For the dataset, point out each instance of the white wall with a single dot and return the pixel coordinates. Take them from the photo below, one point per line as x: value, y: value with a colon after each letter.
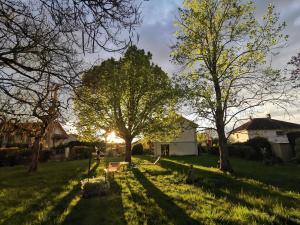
x: 185, y: 144
x: 188, y: 135
x: 240, y: 136
x: 177, y: 148
x: 271, y: 135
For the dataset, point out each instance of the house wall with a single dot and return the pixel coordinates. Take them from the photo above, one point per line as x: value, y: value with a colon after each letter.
x: 240, y: 136
x: 280, y: 143
x: 185, y: 144
x: 271, y: 135
x: 283, y: 151
x: 187, y: 135
x: 177, y: 148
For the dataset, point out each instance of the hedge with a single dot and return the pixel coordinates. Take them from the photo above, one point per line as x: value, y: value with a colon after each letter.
x: 12, y: 157
x: 137, y: 149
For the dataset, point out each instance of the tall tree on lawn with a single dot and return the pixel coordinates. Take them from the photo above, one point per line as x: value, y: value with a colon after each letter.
x: 224, y: 50
x: 131, y: 96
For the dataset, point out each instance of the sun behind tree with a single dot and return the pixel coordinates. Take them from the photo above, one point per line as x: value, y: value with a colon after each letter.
x: 131, y: 96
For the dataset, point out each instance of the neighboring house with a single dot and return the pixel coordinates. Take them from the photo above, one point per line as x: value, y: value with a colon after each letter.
x: 71, y: 138
x: 184, y: 144
x: 276, y: 131
x: 23, y: 134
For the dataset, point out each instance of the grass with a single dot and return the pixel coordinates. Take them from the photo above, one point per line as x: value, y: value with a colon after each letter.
x: 153, y: 194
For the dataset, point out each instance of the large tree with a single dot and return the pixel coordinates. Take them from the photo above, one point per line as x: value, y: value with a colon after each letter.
x: 224, y: 49
x: 41, y: 46
x: 130, y: 96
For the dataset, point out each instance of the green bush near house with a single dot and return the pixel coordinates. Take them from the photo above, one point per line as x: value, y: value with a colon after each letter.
x: 297, y: 150
x: 243, y: 151
x: 262, y: 148
x: 16, y: 156
x: 137, y: 149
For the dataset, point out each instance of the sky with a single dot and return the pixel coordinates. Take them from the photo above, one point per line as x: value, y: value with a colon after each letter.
x: 156, y: 34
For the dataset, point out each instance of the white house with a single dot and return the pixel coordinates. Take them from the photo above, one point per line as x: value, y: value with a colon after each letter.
x: 184, y: 144
x: 274, y: 130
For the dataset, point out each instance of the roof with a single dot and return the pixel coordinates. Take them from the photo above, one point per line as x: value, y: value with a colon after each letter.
x: 266, y: 124
x: 28, y: 126
x: 190, y: 122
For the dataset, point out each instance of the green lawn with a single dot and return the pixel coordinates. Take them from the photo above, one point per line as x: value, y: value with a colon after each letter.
x: 153, y: 194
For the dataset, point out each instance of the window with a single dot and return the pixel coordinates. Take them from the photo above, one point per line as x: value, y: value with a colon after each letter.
x: 165, y: 150
x: 279, y: 133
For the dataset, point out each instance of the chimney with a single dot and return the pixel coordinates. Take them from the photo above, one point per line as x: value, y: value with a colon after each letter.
x: 269, y: 116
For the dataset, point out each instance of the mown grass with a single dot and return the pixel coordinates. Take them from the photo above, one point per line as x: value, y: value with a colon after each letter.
x: 153, y: 194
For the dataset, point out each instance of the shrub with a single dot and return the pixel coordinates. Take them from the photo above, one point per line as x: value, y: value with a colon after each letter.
x: 15, y: 156
x: 297, y: 150
x: 94, y: 187
x: 261, y: 146
x: 19, y: 145
x: 137, y: 149
x: 241, y: 150
x: 214, y: 150
x: 45, y: 155
x: 80, y: 152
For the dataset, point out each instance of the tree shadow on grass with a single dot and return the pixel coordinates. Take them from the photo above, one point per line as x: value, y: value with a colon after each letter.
x: 50, y: 198
x: 98, y: 210
x: 246, y: 170
x: 174, y: 213
x: 216, y: 183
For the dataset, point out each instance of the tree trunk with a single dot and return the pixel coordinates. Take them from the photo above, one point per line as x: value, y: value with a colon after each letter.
x: 33, y: 166
x: 128, y: 150
x: 224, y: 164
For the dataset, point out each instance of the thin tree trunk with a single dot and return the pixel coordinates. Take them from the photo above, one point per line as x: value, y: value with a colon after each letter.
x: 128, y: 150
x: 225, y: 165
x: 33, y: 166
x: 223, y: 150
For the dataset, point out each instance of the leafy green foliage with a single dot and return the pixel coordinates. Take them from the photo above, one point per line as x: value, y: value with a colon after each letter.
x: 131, y: 96
x: 137, y: 149
x: 297, y: 149
x: 243, y: 150
x: 12, y: 157
x: 201, y: 137
x: 224, y: 49
x: 262, y: 147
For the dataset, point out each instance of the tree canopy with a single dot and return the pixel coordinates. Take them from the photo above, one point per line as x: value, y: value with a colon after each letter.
x: 131, y: 96
x: 41, y: 48
x: 225, y: 50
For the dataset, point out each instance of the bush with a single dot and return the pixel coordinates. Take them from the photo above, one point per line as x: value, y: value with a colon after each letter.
x: 80, y: 152
x: 213, y: 150
x: 262, y: 148
x: 137, y: 149
x: 94, y: 187
x: 242, y: 150
x: 297, y: 150
x: 15, y: 156
x: 21, y: 146
x: 45, y: 155
x: 99, y: 144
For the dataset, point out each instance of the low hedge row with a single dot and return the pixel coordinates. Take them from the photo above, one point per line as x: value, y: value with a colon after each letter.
x: 12, y: 157
x: 255, y: 149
